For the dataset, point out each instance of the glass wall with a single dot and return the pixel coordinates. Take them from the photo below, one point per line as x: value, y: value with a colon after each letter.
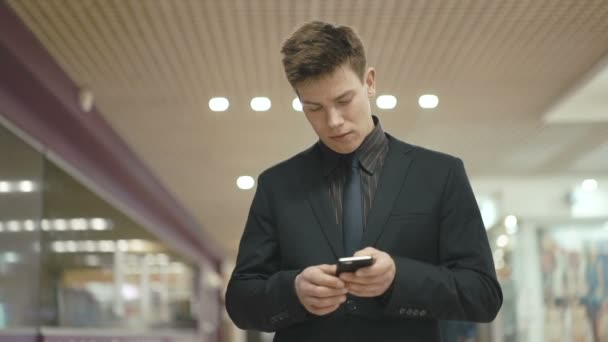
x: 21, y: 170
x: 101, y: 269
x: 70, y: 260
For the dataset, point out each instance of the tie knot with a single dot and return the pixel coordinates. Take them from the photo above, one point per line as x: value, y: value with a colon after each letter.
x: 352, y: 160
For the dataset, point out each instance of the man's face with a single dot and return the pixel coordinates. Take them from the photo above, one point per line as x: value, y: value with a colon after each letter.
x: 338, y: 109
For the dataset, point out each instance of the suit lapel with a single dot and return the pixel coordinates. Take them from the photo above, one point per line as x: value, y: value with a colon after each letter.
x: 322, y: 206
x: 394, y: 173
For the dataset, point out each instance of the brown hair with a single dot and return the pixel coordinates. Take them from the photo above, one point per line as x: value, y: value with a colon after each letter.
x: 317, y: 48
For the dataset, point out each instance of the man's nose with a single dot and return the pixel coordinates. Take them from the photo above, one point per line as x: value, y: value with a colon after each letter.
x: 334, y: 118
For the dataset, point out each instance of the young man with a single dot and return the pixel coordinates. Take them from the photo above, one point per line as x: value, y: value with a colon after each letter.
x: 358, y: 191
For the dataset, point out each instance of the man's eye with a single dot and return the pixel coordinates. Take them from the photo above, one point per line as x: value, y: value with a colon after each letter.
x: 314, y: 109
x: 345, y: 101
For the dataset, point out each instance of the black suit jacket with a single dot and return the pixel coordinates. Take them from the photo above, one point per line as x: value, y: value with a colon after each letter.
x: 424, y: 215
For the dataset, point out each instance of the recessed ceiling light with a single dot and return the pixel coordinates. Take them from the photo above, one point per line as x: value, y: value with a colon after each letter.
x: 219, y: 104
x: 511, y: 224
x: 510, y: 221
x: 5, y: 186
x: 502, y: 241
x: 386, y: 101
x: 245, y: 182
x: 428, y: 101
x: 26, y: 186
x: 29, y: 225
x: 260, y: 104
x: 589, y: 185
x: 11, y: 257
x: 60, y: 224
x: 59, y: 246
x: 109, y: 246
x: 98, y: 224
x: 14, y: 226
x: 78, y: 224
x: 296, y: 104
x: 71, y: 246
x: 136, y: 245
x: 45, y: 225
x: 123, y: 245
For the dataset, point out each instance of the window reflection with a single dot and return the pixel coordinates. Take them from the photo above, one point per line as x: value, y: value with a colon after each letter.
x: 70, y: 259
x: 104, y: 270
x: 20, y: 210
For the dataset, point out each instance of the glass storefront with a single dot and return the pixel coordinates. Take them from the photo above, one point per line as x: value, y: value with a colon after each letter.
x: 69, y: 259
x: 21, y: 174
x: 575, y: 282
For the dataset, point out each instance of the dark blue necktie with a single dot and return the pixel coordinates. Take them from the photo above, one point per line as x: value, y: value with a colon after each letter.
x: 352, y: 207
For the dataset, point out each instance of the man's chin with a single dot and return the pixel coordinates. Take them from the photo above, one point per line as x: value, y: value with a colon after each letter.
x: 343, y: 149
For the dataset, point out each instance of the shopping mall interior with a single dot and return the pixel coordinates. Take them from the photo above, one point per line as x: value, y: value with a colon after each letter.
x: 133, y: 133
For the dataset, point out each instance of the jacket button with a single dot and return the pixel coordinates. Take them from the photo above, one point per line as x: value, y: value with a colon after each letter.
x: 402, y: 311
x: 351, y: 305
x: 422, y: 312
x: 409, y: 311
x: 415, y: 313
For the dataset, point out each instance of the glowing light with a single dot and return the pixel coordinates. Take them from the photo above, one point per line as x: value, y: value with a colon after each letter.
x: 589, y: 185
x: 260, y: 104
x: 296, y: 105
x: 502, y: 241
x: 245, y: 182
x: 26, y: 186
x: 386, y: 102
x: 428, y: 101
x: 98, y: 224
x: 219, y: 104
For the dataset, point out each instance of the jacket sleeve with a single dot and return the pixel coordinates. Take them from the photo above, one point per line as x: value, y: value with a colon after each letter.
x: 261, y: 296
x: 463, y: 285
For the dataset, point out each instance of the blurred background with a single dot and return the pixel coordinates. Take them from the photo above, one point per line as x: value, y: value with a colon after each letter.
x: 132, y: 133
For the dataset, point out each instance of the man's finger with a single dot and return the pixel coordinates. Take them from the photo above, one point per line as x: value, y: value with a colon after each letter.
x: 323, y: 291
x: 366, y: 251
x: 374, y: 270
x: 353, y: 279
x: 328, y: 269
x: 321, y: 312
x: 319, y: 277
x: 321, y: 303
x: 313, y: 290
x: 365, y: 291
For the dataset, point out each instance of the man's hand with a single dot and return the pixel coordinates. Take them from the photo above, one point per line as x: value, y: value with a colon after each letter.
x: 374, y: 280
x: 319, y: 290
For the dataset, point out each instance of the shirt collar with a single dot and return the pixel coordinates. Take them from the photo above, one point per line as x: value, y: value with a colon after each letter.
x: 368, y: 153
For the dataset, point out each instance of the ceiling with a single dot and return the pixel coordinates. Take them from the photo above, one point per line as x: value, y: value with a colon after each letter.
x: 497, y: 66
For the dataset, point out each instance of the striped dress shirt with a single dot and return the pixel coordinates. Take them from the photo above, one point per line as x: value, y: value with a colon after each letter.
x: 371, y: 154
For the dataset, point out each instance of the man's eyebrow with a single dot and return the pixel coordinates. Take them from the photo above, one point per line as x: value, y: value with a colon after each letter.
x: 337, y: 98
x: 344, y: 94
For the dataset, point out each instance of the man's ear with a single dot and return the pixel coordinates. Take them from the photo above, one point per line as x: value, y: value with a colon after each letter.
x: 370, y: 81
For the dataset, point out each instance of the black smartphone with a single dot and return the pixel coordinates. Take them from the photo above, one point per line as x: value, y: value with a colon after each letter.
x: 351, y: 264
